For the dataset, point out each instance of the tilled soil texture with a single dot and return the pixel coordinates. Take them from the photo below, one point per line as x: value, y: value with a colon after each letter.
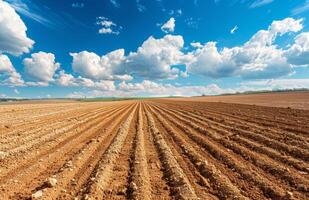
x: 153, y: 149
x: 292, y: 99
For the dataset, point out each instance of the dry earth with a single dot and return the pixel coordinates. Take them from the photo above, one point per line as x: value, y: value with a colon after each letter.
x: 153, y: 149
x: 298, y: 100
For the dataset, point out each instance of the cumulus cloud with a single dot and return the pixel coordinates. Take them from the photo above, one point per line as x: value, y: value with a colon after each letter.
x: 8, y: 74
x: 13, y: 37
x: 196, y: 44
x: 108, y: 26
x: 90, y: 65
x: 155, y: 57
x: 150, y: 88
x: 41, y: 67
x: 257, y: 58
x: 169, y: 26
x: 298, y: 53
x: 64, y: 79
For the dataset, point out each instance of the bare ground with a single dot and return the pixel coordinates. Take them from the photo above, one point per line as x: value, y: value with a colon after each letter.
x: 153, y: 149
x: 297, y: 100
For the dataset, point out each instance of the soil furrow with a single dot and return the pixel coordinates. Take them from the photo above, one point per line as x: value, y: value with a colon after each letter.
x: 178, y: 181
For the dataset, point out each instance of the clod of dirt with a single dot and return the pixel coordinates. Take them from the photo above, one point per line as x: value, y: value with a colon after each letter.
x: 122, y: 192
x: 289, y: 195
x: 37, y: 195
x: 133, y: 186
x: 2, y: 155
x: 69, y: 164
x: 51, y: 182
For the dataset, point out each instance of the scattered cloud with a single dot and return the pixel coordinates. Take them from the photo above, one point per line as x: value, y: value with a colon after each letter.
x: 92, y: 66
x: 257, y: 58
x: 259, y: 3
x: 16, y: 91
x: 155, y: 57
x: 108, y: 26
x: 150, y: 88
x: 301, y: 9
x: 13, y: 35
x: 192, y: 22
x: 172, y: 12
x: 169, y: 26
x: 153, y: 60
x: 78, y: 5
x: 8, y: 74
x: 76, y: 95
x: 277, y: 84
x: 196, y: 44
x: 41, y: 67
x: 234, y: 29
x: 140, y: 6
x: 115, y: 3
x: 298, y: 53
x: 68, y: 80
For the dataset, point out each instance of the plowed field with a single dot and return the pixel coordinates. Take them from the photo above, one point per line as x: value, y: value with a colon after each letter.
x: 153, y: 149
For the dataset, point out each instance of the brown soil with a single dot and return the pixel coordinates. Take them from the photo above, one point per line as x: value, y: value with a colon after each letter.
x: 297, y: 100
x: 153, y: 149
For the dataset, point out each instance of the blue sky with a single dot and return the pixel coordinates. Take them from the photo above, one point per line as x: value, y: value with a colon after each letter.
x: 151, y: 48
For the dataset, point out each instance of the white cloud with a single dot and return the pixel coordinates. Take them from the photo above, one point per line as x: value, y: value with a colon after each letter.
x: 155, y: 57
x: 278, y: 84
x: 298, y: 53
x: 154, y: 60
x: 196, y: 44
x: 64, y: 79
x: 176, y: 12
x: 41, y: 67
x: 31, y: 12
x: 286, y: 25
x: 234, y: 29
x: 108, y: 31
x: 13, y: 35
x: 76, y: 95
x: 150, y: 88
x: 6, y: 65
x: 90, y: 65
x: 192, y: 22
x: 301, y: 9
x: 108, y: 26
x: 169, y: 26
x: 115, y: 3
x: 78, y: 5
x: 16, y: 91
x: 140, y: 6
x: 8, y: 74
x: 257, y: 58
x: 259, y: 3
